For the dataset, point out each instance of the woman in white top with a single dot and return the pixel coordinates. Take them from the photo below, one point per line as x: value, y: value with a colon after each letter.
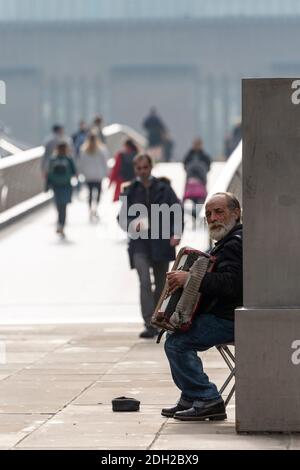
x: 93, y: 166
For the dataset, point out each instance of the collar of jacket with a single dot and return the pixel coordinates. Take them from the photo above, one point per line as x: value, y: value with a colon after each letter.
x: 234, y: 231
x: 151, y: 179
x: 136, y: 182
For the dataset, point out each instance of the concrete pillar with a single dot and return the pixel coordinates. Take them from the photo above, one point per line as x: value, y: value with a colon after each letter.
x: 268, y: 327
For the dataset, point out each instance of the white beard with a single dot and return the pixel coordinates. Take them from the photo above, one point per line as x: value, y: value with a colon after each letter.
x: 223, y: 229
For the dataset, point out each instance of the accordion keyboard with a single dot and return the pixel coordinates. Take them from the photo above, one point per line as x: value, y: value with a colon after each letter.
x: 190, y: 295
x: 176, y: 311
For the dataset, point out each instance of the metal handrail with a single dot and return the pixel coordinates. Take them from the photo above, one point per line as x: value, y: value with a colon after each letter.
x: 37, y: 152
x: 113, y: 129
x: 22, y: 157
x: 231, y: 170
x: 21, y: 176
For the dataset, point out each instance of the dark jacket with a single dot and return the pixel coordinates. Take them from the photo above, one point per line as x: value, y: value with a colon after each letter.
x: 197, y: 164
x: 155, y: 128
x: 159, y: 192
x: 78, y: 139
x: 62, y: 193
x: 222, y: 289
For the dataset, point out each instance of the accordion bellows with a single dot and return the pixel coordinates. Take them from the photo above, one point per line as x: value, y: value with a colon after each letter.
x: 176, y: 311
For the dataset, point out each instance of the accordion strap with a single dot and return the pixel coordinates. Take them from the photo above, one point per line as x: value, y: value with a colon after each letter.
x: 160, y: 335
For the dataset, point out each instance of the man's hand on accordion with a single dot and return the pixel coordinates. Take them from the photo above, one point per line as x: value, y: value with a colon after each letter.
x: 176, y: 279
x: 174, y: 241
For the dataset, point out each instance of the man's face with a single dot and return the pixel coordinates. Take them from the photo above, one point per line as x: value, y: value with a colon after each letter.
x: 59, y: 132
x: 127, y: 149
x: 143, y: 169
x: 198, y: 145
x: 220, y: 218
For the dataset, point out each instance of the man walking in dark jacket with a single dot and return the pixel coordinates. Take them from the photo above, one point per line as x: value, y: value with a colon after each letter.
x: 152, y: 216
x: 222, y: 293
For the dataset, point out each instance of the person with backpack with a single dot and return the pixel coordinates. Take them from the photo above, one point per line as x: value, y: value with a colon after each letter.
x: 58, y: 134
x: 61, y: 170
x: 195, y: 157
x: 93, y: 166
x: 123, y: 169
x: 197, y: 165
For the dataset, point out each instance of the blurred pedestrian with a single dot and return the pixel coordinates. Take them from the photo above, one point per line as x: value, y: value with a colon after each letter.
x: 97, y: 127
x: 50, y: 145
x: 155, y: 128
x: 79, y: 137
x: 123, y: 169
x: 61, y: 170
x: 197, y: 157
x: 147, y: 252
x: 196, y: 164
x: 93, y: 166
x: 168, y: 147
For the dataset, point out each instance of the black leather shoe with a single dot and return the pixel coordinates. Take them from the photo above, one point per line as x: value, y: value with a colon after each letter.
x: 149, y: 333
x: 211, y: 410
x: 170, y: 412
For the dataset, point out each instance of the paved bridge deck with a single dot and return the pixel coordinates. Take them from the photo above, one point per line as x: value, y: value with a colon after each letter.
x: 69, y: 344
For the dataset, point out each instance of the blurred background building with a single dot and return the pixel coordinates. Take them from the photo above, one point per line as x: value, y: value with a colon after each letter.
x: 64, y: 60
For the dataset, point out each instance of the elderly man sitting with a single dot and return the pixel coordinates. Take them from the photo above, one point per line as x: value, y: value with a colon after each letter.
x: 222, y: 293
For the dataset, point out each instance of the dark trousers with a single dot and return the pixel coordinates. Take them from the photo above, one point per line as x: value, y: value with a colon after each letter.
x: 62, y: 214
x: 143, y: 264
x: 95, y: 188
x: 186, y: 366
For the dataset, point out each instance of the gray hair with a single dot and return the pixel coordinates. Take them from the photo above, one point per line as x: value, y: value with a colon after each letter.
x: 232, y: 201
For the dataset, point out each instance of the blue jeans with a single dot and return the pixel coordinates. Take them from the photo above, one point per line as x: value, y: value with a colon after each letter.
x: 186, y: 367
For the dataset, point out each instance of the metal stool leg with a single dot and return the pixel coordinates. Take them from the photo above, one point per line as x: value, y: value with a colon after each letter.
x: 229, y: 358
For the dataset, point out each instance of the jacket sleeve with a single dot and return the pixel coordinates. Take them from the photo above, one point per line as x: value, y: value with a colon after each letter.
x: 123, y: 218
x: 177, y: 226
x: 227, y: 280
x: 115, y: 172
x: 186, y: 160
x: 48, y: 175
x: 73, y: 167
x: 208, y: 160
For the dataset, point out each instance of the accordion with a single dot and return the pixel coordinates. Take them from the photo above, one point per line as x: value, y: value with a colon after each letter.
x: 176, y: 311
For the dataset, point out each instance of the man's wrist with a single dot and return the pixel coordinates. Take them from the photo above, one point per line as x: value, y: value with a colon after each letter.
x: 187, y: 281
